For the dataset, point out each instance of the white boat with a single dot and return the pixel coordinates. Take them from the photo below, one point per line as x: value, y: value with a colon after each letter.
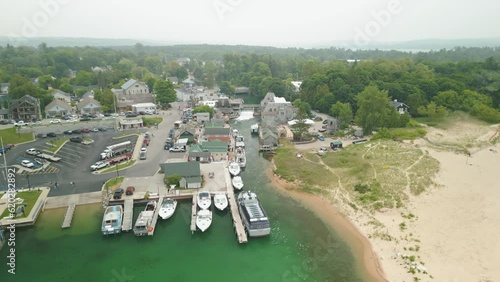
x: 255, y: 129
x: 204, y: 200
x: 167, y: 208
x: 203, y: 219
x: 253, y: 215
x: 237, y: 182
x: 112, y: 220
x: 234, y: 168
x: 240, y: 144
x: 241, y: 160
x: 144, y: 223
x: 220, y: 201
x: 240, y: 138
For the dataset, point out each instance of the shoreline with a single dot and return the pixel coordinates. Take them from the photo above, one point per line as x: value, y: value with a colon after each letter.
x: 368, y: 263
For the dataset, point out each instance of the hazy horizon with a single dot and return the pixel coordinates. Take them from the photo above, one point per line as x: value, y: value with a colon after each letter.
x: 260, y: 23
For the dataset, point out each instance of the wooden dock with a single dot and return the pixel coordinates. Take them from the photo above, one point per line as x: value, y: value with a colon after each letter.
x: 68, y: 218
x: 235, y: 213
x: 128, y: 214
x: 155, y: 216
x: 194, y: 209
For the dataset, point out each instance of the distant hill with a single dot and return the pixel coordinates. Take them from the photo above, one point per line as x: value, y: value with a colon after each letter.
x: 414, y: 45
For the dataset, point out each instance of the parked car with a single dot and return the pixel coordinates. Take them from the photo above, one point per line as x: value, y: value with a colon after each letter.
x: 102, y: 129
x: 77, y: 139
x: 85, y: 130
x: 145, y: 142
x: 67, y: 132
x: 144, y: 149
x: 51, y: 134
x: 95, y: 129
x: 321, y: 138
x: 41, y: 135
x: 143, y: 155
x: 85, y: 119
x: 33, y: 152
x: 176, y: 149
x: 27, y: 164
x: 54, y: 121
x: 20, y: 123
x: 71, y: 120
x: 4, y: 121
x: 35, y: 123
x: 99, y: 165
x: 130, y: 190
x: 77, y: 131
x: 118, y: 193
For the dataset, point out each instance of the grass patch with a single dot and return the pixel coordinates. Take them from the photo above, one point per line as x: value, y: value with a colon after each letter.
x: 30, y: 198
x: 57, y: 143
x: 120, y: 166
x: 10, y: 136
x: 113, y: 183
x: 151, y: 121
x: 399, y: 133
x: 124, y: 135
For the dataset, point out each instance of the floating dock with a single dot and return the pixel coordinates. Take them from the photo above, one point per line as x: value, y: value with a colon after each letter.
x: 128, y: 214
x: 193, y: 213
x: 235, y: 213
x: 68, y: 218
x: 155, y: 217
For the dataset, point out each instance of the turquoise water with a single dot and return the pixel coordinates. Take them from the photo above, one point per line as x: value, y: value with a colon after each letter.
x: 300, y: 248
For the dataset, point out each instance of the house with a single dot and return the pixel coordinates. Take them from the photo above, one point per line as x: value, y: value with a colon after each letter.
x: 130, y: 123
x: 189, y: 172
x: 337, y: 144
x: 61, y: 95
x: 189, y: 134
x: 268, y: 137
x: 4, y: 88
x: 133, y: 86
x: 196, y: 153
x: 88, y: 94
x: 26, y: 108
x: 401, y: 108
x: 215, y: 122
x: 277, y: 108
x: 220, y: 133
x: 236, y: 104
x: 57, y: 108
x: 332, y: 125
x: 88, y: 106
x: 202, y: 117
x: 188, y: 83
x: 172, y: 79
x: 218, y: 149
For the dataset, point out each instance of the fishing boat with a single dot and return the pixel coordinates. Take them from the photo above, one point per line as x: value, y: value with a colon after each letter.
x: 255, y: 129
x: 253, y: 215
x: 241, y: 159
x: 204, y: 200
x: 220, y: 201
x: 112, y: 220
x: 167, y: 208
x: 203, y: 219
x: 234, y: 168
x: 143, y: 225
x: 237, y: 182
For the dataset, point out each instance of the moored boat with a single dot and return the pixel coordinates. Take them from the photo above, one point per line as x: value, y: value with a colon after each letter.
x: 234, y: 168
x: 143, y: 224
x: 204, y: 200
x: 253, y: 215
x: 237, y: 182
x: 255, y: 129
x: 241, y: 159
x: 112, y: 220
x: 220, y: 201
x: 167, y: 208
x: 203, y: 219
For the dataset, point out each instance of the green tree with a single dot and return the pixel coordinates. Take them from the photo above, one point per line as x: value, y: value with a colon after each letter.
x: 303, y: 106
x: 84, y: 78
x: 432, y: 110
x: 106, y: 98
x: 226, y: 88
x: 165, y: 92
x: 172, y: 180
x: 300, y: 128
x: 373, y: 108
x: 66, y: 88
x: 343, y: 112
x: 204, y: 109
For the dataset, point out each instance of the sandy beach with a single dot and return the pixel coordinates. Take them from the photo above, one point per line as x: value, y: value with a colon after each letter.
x: 453, y: 231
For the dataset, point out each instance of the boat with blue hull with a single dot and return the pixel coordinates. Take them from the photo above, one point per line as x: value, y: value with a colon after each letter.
x: 112, y: 220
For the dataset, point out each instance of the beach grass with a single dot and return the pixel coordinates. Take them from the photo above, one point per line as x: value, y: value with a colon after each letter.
x: 10, y: 136
x: 29, y: 197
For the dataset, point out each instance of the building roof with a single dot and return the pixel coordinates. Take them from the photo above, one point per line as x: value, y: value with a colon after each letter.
x: 184, y: 169
x: 60, y: 103
x: 87, y: 101
x: 266, y: 132
x: 57, y: 91
x: 217, y: 131
x: 239, y: 90
x: 214, y: 144
x: 129, y: 83
x: 173, y: 79
x: 144, y: 105
x: 26, y: 98
x: 397, y: 104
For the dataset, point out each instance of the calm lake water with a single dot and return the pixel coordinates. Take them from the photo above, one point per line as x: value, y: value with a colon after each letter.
x: 300, y: 247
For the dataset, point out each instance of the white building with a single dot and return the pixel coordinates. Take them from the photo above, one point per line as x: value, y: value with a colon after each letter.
x: 61, y: 95
x: 134, y: 87
x: 276, y: 110
x: 144, y: 107
x: 88, y: 106
x: 209, y: 103
x: 297, y: 85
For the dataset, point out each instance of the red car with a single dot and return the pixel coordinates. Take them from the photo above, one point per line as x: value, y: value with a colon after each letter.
x: 145, y: 142
x: 85, y: 130
x: 130, y: 190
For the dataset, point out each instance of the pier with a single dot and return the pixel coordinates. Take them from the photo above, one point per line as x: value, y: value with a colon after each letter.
x: 155, y: 217
x: 68, y: 218
x: 235, y: 213
x: 128, y: 214
x: 193, y: 213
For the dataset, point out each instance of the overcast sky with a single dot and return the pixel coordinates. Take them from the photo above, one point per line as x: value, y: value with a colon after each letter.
x: 253, y: 22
